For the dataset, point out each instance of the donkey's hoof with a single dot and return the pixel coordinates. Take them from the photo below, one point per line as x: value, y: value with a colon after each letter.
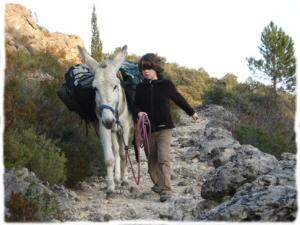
x: 125, y: 184
x: 110, y: 194
x: 117, y: 181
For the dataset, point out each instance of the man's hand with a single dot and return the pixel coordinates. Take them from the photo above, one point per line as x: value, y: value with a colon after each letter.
x: 195, y: 116
x: 140, y: 114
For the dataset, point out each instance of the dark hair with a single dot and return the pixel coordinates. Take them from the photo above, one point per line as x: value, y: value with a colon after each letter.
x: 153, y: 61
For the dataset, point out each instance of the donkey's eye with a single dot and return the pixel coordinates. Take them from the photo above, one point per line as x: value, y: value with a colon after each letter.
x: 116, y: 87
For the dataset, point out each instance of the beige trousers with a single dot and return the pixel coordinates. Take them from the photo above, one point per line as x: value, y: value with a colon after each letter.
x: 159, y: 159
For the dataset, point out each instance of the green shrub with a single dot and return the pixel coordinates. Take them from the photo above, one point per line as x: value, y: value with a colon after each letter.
x: 33, y: 207
x: 30, y: 103
x: 27, y: 149
x: 84, y: 154
x: 219, y: 94
x: 274, y: 143
x: 214, y: 95
x: 23, y: 61
x: 191, y: 83
x: 266, y: 123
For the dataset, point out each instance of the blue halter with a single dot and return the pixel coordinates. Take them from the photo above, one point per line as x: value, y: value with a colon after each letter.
x: 113, y: 110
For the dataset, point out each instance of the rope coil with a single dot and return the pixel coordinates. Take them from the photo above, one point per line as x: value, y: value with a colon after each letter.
x: 142, y: 136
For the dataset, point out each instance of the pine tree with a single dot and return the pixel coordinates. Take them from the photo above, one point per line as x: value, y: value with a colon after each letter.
x: 96, y: 44
x: 278, y: 62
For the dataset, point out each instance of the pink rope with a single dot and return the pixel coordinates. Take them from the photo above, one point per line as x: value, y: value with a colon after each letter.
x: 142, y: 136
x: 143, y: 133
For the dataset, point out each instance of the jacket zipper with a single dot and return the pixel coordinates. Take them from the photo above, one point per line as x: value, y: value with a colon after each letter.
x: 151, y: 104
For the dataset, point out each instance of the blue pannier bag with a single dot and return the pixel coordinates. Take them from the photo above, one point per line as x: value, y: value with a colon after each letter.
x: 78, y: 94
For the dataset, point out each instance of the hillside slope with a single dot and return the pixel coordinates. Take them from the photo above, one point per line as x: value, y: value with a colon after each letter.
x: 22, y: 32
x: 213, y: 178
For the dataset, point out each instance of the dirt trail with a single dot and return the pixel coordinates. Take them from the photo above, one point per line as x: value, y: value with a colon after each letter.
x: 138, y: 202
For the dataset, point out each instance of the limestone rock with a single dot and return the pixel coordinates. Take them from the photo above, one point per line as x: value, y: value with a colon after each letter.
x: 22, y: 32
x: 214, y: 178
x: 218, y: 116
x: 27, y: 184
x: 276, y: 203
x: 244, y: 167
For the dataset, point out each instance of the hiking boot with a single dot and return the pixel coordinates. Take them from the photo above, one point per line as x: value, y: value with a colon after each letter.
x: 156, y: 189
x: 164, y: 196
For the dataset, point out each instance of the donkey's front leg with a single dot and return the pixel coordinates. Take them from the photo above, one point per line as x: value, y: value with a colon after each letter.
x: 126, y: 134
x: 115, y: 145
x: 109, y: 159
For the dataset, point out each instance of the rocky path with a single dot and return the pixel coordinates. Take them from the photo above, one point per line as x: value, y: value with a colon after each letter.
x: 214, y: 178
x: 138, y: 202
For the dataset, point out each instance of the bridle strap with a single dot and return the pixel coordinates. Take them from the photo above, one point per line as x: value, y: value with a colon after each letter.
x: 102, y: 106
x: 115, y: 110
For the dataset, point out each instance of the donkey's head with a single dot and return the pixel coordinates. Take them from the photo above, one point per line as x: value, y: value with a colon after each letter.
x: 107, y: 85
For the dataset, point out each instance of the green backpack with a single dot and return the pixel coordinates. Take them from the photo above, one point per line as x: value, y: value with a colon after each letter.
x: 131, y: 78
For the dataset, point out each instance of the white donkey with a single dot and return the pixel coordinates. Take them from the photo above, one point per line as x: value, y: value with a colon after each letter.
x: 115, y: 120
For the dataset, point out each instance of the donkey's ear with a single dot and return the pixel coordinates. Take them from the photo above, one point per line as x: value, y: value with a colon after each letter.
x: 85, y: 56
x: 120, y: 57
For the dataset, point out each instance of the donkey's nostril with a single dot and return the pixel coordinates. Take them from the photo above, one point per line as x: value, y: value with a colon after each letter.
x: 108, y: 124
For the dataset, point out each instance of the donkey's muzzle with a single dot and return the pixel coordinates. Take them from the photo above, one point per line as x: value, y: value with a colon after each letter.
x: 108, y: 123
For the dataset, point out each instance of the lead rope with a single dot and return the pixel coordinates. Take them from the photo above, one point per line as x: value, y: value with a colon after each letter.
x: 142, y: 135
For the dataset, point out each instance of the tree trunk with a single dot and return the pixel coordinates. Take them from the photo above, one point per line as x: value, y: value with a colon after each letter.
x: 274, y: 92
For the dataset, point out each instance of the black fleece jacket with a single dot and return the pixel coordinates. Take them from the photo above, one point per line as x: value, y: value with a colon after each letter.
x: 153, y: 97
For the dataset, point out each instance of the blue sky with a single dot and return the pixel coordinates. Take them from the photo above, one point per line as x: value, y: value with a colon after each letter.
x: 216, y: 35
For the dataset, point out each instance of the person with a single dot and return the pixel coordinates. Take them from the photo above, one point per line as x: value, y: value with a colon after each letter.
x: 152, y: 98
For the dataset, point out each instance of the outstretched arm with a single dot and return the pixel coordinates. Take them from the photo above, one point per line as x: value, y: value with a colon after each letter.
x: 181, y: 102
